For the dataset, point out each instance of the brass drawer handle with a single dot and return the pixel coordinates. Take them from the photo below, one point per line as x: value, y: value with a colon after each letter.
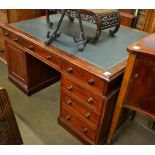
x: 48, y: 57
x: 91, y: 81
x: 68, y: 118
x: 30, y: 47
x: 87, y: 115
x: 85, y: 130
x: 70, y: 70
x: 15, y: 39
x: 90, y: 100
x: 69, y: 102
x: 6, y: 33
x: 69, y: 88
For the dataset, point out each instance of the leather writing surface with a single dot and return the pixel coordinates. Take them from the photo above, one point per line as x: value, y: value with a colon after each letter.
x: 107, y: 52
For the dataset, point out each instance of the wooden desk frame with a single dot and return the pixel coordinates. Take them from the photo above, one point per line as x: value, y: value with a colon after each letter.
x: 92, y: 92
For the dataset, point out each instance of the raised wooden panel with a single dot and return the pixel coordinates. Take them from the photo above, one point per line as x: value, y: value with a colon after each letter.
x: 16, y: 62
x: 141, y: 91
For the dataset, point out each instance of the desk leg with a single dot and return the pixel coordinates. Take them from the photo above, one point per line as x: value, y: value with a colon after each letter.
x: 119, y: 103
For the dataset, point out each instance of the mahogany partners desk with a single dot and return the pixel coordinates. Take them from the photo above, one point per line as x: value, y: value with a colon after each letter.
x: 90, y: 80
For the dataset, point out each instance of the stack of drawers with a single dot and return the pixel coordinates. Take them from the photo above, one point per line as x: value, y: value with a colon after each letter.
x: 81, y: 102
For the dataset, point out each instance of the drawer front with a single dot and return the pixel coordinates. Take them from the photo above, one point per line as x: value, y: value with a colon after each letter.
x: 51, y: 58
x: 78, y: 124
x: 13, y: 37
x: 16, y: 62
x: 81, y: 108
x: 48, y: 56
x: 83, y: 75
x: 90, y: 97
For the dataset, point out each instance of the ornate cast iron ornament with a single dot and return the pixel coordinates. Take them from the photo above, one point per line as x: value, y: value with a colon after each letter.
x: 102, y: 18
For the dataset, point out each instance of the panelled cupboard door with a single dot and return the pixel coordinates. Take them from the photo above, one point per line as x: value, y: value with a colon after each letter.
x: 16, y: 60
x: 141, y: 90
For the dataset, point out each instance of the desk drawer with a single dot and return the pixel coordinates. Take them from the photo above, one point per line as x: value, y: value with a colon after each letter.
x: 44, y: 54
x: 93, y: 99
x: 78, y: 124
x: 37, y: 51
x: 51, y: 58
x: 81, y: 108
x: 90, y: 79
x: 13, y: 37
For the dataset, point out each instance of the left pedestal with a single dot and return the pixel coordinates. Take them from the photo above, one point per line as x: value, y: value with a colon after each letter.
x: 27, y: 72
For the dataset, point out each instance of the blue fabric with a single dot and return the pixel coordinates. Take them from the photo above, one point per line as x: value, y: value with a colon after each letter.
x: 107, y: 52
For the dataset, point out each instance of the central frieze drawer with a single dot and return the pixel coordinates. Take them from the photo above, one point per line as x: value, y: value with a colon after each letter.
x: 89, y: 96
x: 51, y: 58
x: 78, y: 124
x: 81, y: 108
x: 88, y: 78
x: 54, y: 60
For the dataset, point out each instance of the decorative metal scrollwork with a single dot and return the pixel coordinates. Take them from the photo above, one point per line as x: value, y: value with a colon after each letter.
x: 80, y: 40
x: 102, y: 21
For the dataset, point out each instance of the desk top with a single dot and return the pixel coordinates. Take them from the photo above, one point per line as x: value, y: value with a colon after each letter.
x: 145, y: 45
x: 105, y: 54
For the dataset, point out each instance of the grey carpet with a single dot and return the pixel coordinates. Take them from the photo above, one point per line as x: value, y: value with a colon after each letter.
x: 37, y: 117
x: 39, y: 111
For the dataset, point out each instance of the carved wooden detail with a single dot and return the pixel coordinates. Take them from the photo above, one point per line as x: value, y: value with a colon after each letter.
x: 9, y: 132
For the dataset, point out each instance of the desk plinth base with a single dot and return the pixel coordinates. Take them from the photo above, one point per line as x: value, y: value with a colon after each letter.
x: 31, y: 90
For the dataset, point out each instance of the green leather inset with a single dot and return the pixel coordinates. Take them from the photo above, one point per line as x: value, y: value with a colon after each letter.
x: 107, y: 52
